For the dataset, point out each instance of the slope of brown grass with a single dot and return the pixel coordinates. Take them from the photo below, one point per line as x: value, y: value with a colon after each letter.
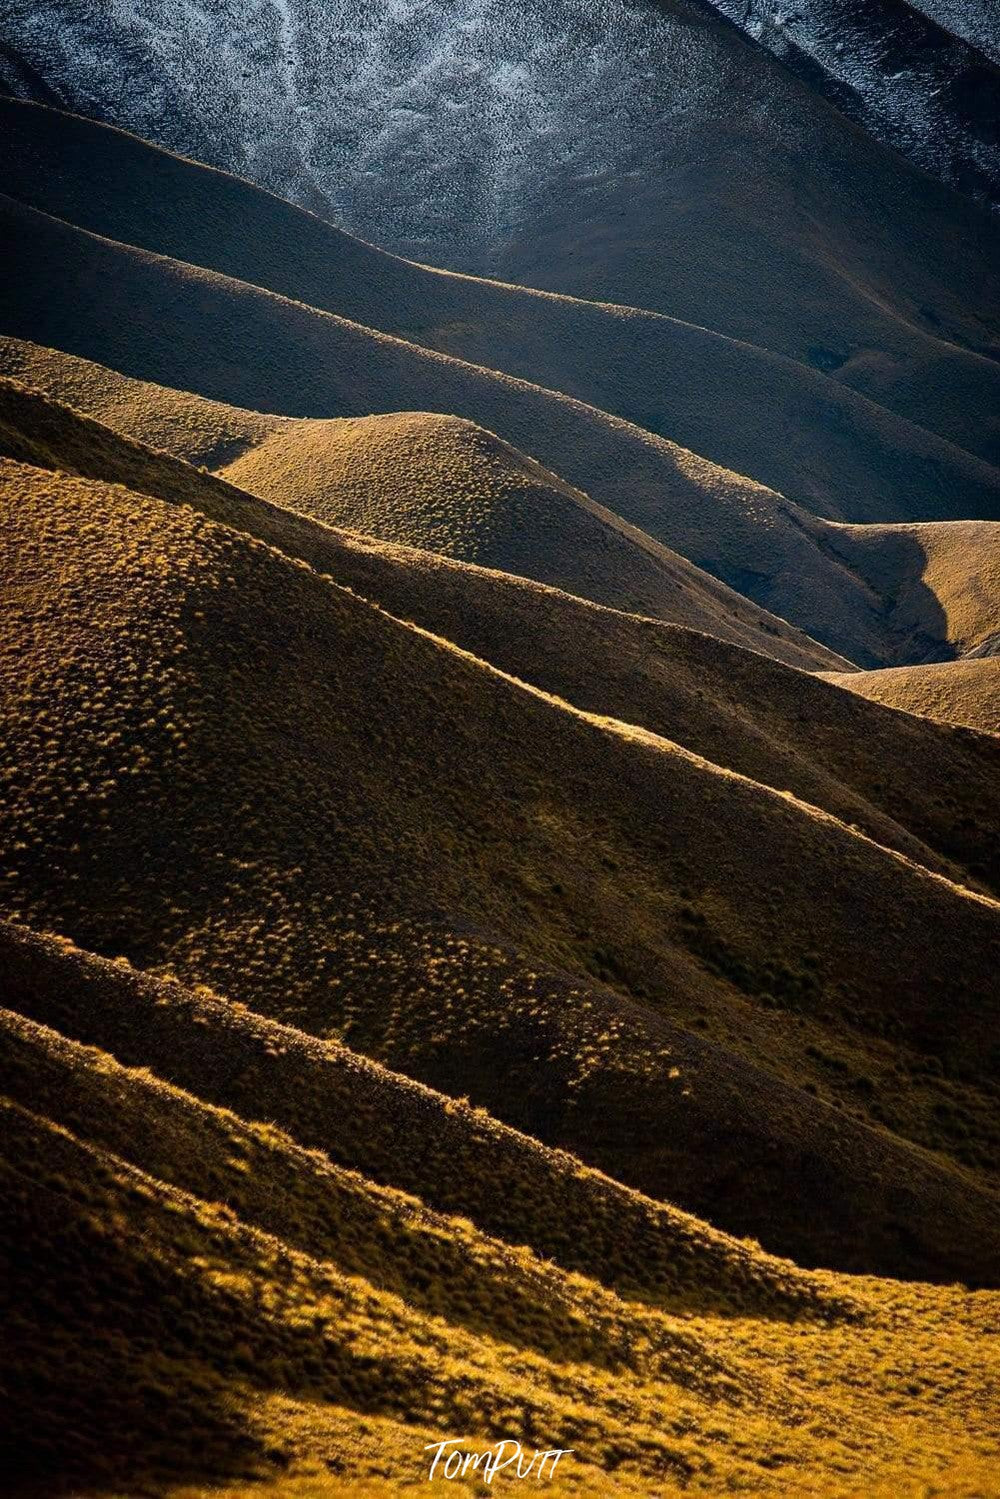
x: 489, y: 889
x: 469, y: 486
x: 875, y: 593
x: 200, y: 431
x: 176, y: 1264
x: 447, y: 486
x: 958, y: 692
x: 821, y: 443
x: 389, y: 477
x: 750, y: 537
x: 939, y: 583
x: 735, y: 708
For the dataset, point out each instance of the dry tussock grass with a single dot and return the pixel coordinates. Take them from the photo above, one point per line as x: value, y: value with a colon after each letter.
x: 957, y: 692
x: 735, y: 708
x: 203, y: 773
x: 310, y: 1330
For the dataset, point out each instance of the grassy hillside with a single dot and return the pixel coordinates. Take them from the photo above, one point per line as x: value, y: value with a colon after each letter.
x: 448, y: 486
x: 201, y: 431
x: 940, y: 584
x: 558, y: 915
x: 875, y: 593
x: 734, y: 707
x: 586, y: 546
x: 896, y: 593
x: 821, y: 443
x: 271, y: 354
x: 302, y: 1316
x: 958, y: 692
x: 475, y: 962
x: 749, y: 537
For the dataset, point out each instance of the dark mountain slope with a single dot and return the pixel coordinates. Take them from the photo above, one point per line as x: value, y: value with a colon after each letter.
x: 819, y: 443
x: 903, y: 70
x: 780, y: 223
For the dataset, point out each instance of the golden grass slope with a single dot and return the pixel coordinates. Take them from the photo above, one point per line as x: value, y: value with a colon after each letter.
x: 268, y: 353
x: 940, y: 583
x: 489, y: 889
x: 912, y: 592
x: 201, y: 431
x: 735, y: 708
x: 447, y: 486
x: 192, y: 1268
x: 820, y: 442
x: 478, y: 486
x: 960, y: 692
x: 875, y: 593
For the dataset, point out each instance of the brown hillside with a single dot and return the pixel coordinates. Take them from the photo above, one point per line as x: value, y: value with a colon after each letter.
x: 876, y: 594
x: 735, y: 708
x: 959, y: 692
x: 821, y: 443
x: 201, y: 431
x: 939, y: 583
x: 489, y: 889
x: 476, y: 494
x: 316, y: 364
x: 499, y: 795
x: 899, y: 593
x: 271, y: 1284
x: 447, y: 486
x: 747, y: 536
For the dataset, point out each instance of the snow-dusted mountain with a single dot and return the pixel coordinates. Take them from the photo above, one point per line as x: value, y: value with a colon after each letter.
x: 920, y: 77
x: 976, y: 21
x: 384, y: 115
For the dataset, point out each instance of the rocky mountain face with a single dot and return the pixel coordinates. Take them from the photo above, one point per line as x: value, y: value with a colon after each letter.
x: 381, y: 117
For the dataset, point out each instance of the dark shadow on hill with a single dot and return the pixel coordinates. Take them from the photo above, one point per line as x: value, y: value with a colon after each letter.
x: 890, y: 565
x: 107, y: 1378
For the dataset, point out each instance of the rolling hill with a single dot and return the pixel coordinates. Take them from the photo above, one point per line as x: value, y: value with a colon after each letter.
x: 447, y: 486
x: 313, y: 1306
x: 961, y: 692
x: 483, y: 907
x: 875, y: 593
x: 732, y: 706
x: 940, y: 583
x: 499, y: 791
x: 477, y: 506
x: 886, y: 593
x: 270, y: 353
x: 822, y: 444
